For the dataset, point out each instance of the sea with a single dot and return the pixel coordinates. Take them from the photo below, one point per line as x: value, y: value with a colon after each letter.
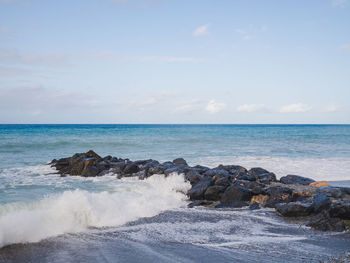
x: 48, y: 218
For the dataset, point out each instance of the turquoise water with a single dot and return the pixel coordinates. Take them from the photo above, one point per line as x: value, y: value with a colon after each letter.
x: 38, y: 205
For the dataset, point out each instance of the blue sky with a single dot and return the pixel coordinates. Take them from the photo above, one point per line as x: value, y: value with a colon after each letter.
x: 174, y: 61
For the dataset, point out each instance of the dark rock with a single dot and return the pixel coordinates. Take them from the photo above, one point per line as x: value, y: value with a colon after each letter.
x: 131, y: 168
x: 180, y: 161
x: 197, y: 191
x: 90, y: 171
x: 278, y: 194
x: 296, y: 179
x: 192, y: 176
x: 120, y: 164
x: 257, y: 171
x: 294, y: 209
x: 171, y: 170
x: 341, y: 210
x: 214, y: 192
x: 159, y: 169
x: 246, y: 177
x: 200, y: 169
x: 321, y: 202
x: 266, y: 178
x: 233, y: 204
x: 235, y: 193
x: 91, y: 153
x: 345, y: 190
x: 224, y: 181
x: 255, y: 187
x: 254, y: 206
x: 217, y: 173
x: 330, y: 191
x: 168, y: 165
x: 199, y: 203
x: 324, y: 222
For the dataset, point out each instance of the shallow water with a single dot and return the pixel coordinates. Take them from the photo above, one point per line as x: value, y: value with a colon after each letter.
x: 107, y: 220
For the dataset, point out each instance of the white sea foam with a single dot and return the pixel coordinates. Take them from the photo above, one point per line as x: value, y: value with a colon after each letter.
x: 76, y: 211
x: 329, y: 169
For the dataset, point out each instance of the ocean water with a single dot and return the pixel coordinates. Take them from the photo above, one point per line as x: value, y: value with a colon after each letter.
x: 46, y: 218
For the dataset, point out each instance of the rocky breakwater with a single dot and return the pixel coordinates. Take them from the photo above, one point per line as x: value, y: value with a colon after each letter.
x: 319, y: 205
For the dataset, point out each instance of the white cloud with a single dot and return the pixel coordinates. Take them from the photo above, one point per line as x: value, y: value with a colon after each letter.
x: 332, y: 108
x: 339, y: 3
x: 250, y: 107
x: 201, y: 31
x: 189, y: 106
x: 345, y: 47
x: 214, y: 107
x: 296, y: 107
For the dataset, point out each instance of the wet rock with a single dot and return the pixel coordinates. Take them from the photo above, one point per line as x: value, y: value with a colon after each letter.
x: 254, y: 206
x: 278, y: 194
x: 257, y: 171
x: 266, y: 178
x: 235, y: 193
x: 245, y: 177
x: 233, y: 204
x: 321, y: 202
x: 199, y: 203
x: 294, y: 209
x: 218, y: 173
x: 92, y: 154
x: 345, y: 190
x: 296, y: 179
x: 200, y: 169
x: 131, y: 168
x: 214, y: 192
x: 224, y: 181
x: 301, y: 195
x: 192, y: 176
x: 197, y: 191
x: 155, y: 170
x: 180, y: 161
x: 341, y: 210
x: 90, y: 171
x: 330, y: 191
x: 324, y: 222
x: 255, y: 187
x: 172, y: 170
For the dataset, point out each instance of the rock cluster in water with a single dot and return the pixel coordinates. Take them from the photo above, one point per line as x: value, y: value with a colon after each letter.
x: 322, y: 206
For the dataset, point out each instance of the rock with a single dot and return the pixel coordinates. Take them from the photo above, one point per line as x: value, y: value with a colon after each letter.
x: 91, y: 153
x: 159, y: 169
x: 260, y: 199
x: 90, y: 171
x: 301, y: 195
x: 254, y: 187
x: 218, y: 173
x: 200, y: 169
x: 294, y: 209
x: 192, y: 176
x: 214, y: 192
x: 254, y: 206
x: 257, y: 171
x: 197, y: 191
x: 266, y: 178
x: 180, y: 161
x: 233, y: 204
x: 131, y: 168
x: 245, y: 177
x: 278, y: 194
x: 173, y: 170
x: 235, y: 193
x: 330, y: 191
x: 224, y: 181
x: 319, y: 183
x: 345, y: 190
x: 324, y: 222
x: 341, y: 210
x: 199, y: 203
x: 296, y: 179
x: 321, y: 202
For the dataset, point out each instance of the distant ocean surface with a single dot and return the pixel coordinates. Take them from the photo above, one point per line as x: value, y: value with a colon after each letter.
x: 46, y: 218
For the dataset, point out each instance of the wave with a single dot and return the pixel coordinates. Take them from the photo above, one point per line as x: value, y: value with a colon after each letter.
x: 78, y: 210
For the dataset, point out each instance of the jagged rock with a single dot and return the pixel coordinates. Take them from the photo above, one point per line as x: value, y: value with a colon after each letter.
x: 294, y: 209
x: 330, y: 191
x: 324, y: 222
x: 340, y: 209
x: 301, y: 195
x: 296, y: 179
x: 90, y: 171
x: 278, y: 194
x: 173, y: 170
x: 192, y: 176
x: 180, y: 161
x: 197, y: 191
x: 214, y: 192
x: 199, y: 203
x: 131, y: 168
x: 200, y: 169
x: 257, y: 171
x: 255, y: 187
x: 235, y: 193
x: 224, y: 181
x: 254, y: 206
x: 266, y: 178
x: 218, y: 173
x: 233, y: 204
x: 321, y: 202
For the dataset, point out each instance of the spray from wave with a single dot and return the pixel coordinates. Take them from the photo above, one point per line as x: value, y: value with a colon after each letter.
x: 78, y: 210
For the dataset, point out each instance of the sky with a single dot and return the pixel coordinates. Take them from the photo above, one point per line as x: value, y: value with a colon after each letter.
x: 175, y: 61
